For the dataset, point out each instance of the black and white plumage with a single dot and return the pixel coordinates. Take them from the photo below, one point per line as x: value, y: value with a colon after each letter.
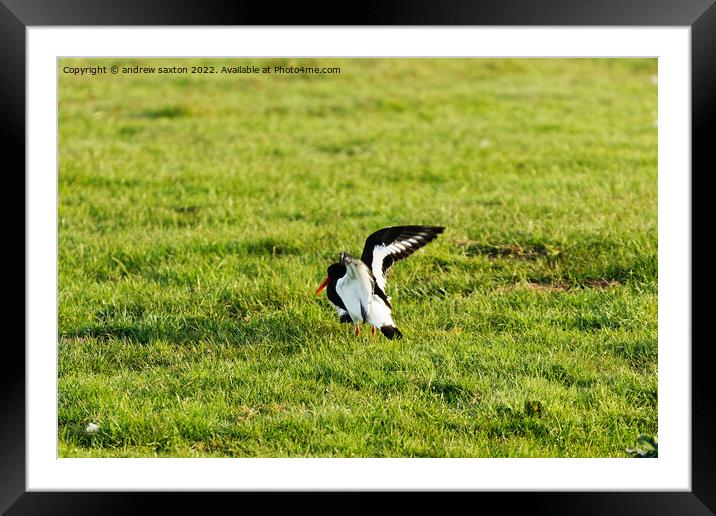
x: 356, y: 287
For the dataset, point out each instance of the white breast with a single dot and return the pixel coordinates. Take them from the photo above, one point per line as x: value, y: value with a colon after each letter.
x: 356, y: 290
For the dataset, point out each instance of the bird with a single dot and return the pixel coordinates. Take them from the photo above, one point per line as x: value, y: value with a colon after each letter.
x: 356, y: 286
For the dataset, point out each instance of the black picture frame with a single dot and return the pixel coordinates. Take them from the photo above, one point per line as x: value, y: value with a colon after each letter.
x: 700, y: 15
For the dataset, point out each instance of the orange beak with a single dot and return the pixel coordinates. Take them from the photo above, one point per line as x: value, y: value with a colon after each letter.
x: 322, y: 285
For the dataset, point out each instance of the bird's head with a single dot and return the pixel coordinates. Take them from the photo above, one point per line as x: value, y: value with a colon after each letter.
x: 335, y: 271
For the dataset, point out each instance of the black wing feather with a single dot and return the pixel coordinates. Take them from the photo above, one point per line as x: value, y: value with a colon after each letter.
x: 408, y: 239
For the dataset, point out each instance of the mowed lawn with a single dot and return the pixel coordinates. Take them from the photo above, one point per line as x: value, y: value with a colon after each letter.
x: 198, y: 214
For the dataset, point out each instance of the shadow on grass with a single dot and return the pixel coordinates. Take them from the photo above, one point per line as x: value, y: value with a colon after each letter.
x: 274, y: 329
x: 174, y: 111
x: 509, y: 422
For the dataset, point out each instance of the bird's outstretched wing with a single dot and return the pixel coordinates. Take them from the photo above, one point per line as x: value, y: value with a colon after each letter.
x: 388, y: 245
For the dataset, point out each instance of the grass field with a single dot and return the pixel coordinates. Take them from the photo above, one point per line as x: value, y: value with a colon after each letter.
x: 198, y: 213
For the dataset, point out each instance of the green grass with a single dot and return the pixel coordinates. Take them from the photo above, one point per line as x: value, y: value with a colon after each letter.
x: 198, y: 213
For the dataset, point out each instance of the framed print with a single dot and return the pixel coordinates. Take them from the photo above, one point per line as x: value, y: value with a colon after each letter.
x: 495, y: 206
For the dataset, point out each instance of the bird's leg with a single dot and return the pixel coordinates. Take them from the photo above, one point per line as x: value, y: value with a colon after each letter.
x: 357, y: 330
x: 372, y: 330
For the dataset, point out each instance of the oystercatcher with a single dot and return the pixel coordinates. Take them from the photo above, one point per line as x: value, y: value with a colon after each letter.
x: 356, y: 288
